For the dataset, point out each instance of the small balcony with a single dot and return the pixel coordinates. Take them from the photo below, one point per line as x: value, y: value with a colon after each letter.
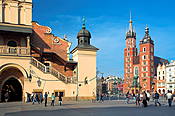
x: 14, y: 51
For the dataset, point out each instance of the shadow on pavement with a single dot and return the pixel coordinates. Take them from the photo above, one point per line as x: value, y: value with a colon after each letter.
x: 102, y: 111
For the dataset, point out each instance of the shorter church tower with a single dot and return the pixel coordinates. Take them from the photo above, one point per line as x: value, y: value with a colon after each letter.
x: 85, y: 54
x: 146, y: 61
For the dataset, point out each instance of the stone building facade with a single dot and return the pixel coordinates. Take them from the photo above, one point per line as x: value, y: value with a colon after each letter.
x: 33, y: 60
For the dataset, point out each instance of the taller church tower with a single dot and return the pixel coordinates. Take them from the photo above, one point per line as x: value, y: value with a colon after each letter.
x: 129, y: 57
x: 85, y: 54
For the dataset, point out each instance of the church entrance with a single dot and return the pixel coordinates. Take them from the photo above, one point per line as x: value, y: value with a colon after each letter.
x: 11, y: 90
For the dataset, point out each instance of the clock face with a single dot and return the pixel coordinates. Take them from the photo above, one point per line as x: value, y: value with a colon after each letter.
x: 56, y: 41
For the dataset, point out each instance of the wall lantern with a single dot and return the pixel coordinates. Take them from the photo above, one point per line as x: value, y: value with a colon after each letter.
x: 39, y: 82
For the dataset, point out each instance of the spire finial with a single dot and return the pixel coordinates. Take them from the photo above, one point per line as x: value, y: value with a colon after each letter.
x: 147, y: 30
x: 130, y: 23
x: 83, y: 21
x: 130, y: 16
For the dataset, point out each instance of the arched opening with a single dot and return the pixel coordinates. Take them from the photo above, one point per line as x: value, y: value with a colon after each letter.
x: 12, y: 82
x: 11, y: 90
x: 12, y: 44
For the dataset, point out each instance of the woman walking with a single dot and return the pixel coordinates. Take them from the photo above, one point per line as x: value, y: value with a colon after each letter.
x: 53, y: 99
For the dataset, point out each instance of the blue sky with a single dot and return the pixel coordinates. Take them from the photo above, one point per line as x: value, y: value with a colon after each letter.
x: 108, y: 22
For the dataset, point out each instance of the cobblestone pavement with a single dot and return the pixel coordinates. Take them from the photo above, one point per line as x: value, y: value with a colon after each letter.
x: 85, y: 108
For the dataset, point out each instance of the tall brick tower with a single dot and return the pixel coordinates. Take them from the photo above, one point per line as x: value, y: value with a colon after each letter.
x: 146, y: 61
x: 129, y: 57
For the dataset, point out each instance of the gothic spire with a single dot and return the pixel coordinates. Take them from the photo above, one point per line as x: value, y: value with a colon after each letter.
x: 130, y: 33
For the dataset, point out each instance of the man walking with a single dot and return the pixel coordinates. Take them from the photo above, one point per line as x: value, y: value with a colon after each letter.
x: 156, y: 97
x: 45, y: 98
x: 170, y: 98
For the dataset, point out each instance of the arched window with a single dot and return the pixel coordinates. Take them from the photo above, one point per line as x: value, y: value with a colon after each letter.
x: 136, y: 71
x: 12, y: 44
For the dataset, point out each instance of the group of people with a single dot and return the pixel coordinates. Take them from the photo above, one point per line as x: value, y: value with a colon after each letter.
x: 38, y: 97
x: 145, y: 97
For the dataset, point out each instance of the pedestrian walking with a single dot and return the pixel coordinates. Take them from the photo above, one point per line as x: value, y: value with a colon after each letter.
x: 60, y: 99
x: 97, y: 96
x: 169, y: 98
x: 138, y: 99
x: 45, y: 98
x: 148, y: 96
x: 6, y: 96
x: 93, y: 97
x: 33, y: 98
x: 53, y: 99
x: 101, y: 98
x: 41, y: 98
x: 144, y: 99
x: 127, y: 97
x: 37, y: 98
x: 173, y: 96
x: 156, y: 98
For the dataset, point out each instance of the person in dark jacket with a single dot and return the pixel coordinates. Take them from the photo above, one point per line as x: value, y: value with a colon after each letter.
x: 138, y: 99
x: 60, y: 99
x: 144, y: 99
x: 156, y: 98
x: 45, y: 98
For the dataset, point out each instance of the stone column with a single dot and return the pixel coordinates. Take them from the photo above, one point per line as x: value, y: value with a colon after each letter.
x: 1, y: 10
x: 28, y: 44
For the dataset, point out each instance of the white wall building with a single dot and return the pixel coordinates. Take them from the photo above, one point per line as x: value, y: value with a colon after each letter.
x: 161, y: 78
x: 170, y: 76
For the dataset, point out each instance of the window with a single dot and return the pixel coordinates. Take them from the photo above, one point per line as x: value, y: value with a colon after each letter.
x: 159, y: 73
x: 136, y: 71
x: 144, y: 74
x: 151, y: 57
x: 128, y: 54
x: 159, y: 78
x: 144, y: 63
x: 163, y: 77
x: 144, y: 57
x: 144, y: 49
x: 163, y: 72
x: 152, y: 49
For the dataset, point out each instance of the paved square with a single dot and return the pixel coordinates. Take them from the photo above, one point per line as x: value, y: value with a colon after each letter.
x: 108, y: 108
